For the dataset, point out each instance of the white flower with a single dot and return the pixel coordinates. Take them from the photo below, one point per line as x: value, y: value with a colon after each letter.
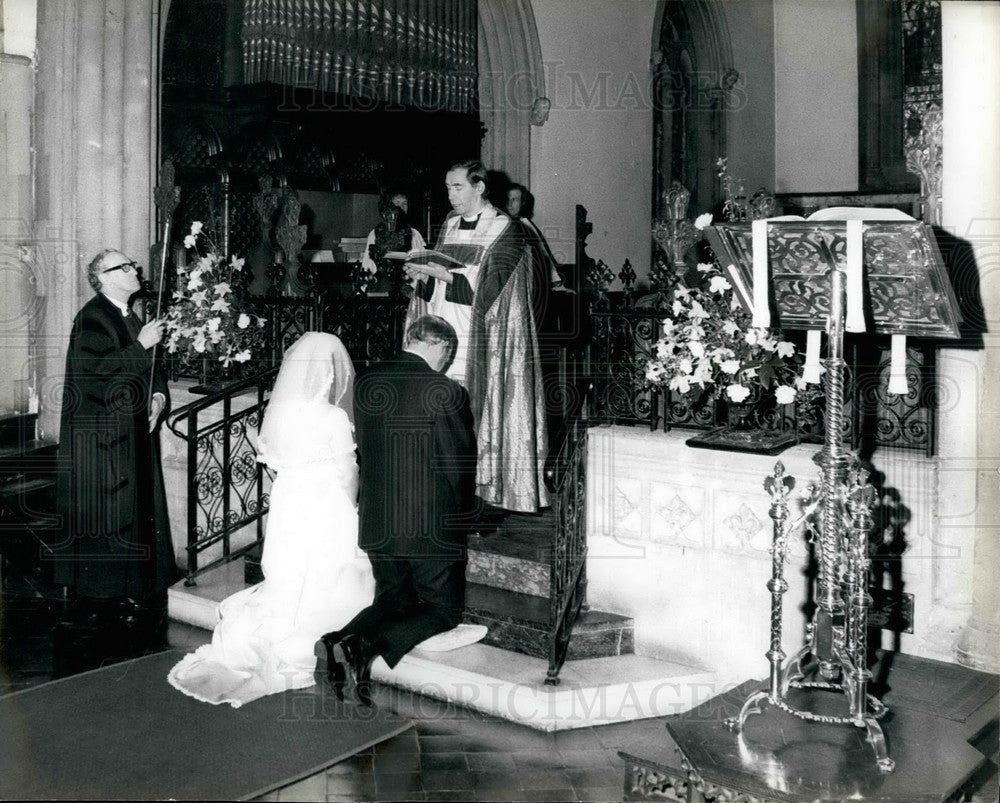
x: 653, y: 372
x: 751, y: 336
x: 678, y: 306
x: 697, y: 348
x: 190, y: 240
x: 236, y: 264
x: 697, y: 310
x: 706, y: 267
x: 196, y: 227
x: 730, y: 328
x: 220, y: 305
x: 682, y: 384
x: 786, y: 349
x: 686, y: 366
x: 243, y: 321
x: 194, y: 280
x: 730, y: 366
x: 199, y: 298
x: 221, y: 288
x: 242, y: 356
x: 719, y: 284
x: 737, y: 393
x: 682, y: 292
x: 703, y: 220
x: 199, y: 343
x: 668, y: 327
x: 213, y: 324
x: 785, y: 394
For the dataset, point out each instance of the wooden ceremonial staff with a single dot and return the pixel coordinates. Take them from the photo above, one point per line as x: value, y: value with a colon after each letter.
x: 167, y: 196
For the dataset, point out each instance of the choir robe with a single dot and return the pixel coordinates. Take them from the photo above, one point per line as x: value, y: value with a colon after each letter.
x: 116, y: 531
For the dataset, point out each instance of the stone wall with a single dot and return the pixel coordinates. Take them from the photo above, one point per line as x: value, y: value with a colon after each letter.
x: 679, y: 539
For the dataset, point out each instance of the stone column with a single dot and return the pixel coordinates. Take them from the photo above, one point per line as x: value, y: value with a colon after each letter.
x: 970, y: 490
x: 95, y: 142
x: 17, y: 296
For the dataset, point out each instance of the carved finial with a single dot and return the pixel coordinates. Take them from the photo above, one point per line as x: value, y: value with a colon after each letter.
x: 167, y: 195
x: 778, y: 484
x: 675, y: 201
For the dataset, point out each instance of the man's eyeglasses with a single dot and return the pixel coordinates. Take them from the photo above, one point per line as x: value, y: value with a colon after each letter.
x: 125, y: 267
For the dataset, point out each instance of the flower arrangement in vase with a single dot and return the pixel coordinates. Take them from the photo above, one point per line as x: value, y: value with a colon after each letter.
x: 206, y: 321
x: 709, y: 350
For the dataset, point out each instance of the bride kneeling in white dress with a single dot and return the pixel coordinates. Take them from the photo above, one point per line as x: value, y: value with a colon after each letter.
x: 316, y: 578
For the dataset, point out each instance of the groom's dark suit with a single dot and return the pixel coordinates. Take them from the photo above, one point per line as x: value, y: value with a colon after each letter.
x: 418, y: 460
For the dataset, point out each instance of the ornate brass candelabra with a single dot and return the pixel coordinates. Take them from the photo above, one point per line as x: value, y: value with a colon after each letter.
x: 834, y: 657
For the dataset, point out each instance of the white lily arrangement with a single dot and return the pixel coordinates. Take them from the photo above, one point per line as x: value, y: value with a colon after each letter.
x: 205, y: 318
x: 708, y: 345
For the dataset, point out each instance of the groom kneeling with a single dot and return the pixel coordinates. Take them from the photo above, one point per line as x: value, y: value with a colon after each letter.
x: 418, y: 461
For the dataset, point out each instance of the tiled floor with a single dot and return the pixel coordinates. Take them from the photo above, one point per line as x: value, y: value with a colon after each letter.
x: 450, y: 754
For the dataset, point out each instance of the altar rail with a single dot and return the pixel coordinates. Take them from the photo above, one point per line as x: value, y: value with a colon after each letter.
x: 622, y: 335
x: 565, y: 477
x: 226, y: 489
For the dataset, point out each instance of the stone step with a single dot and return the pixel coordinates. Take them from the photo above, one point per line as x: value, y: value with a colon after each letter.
x: 591, y: 691
x: 519, y: 622
x: 516, y: 556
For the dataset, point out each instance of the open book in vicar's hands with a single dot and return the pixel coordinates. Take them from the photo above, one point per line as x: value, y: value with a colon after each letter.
x: 426, y: 256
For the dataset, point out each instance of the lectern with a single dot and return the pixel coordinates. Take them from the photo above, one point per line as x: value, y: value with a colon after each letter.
x: 863, y: 275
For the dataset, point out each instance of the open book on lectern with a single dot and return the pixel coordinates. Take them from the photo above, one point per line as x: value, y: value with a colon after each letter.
x: 906, y: 288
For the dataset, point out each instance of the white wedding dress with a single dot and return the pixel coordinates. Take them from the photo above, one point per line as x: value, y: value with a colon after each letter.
x: 316, y: 577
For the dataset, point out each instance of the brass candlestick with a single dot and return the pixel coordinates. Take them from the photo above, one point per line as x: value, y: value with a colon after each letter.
x: 836, y: 638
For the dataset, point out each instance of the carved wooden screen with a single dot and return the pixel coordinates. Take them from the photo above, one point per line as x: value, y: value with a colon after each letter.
x: 411, y: 52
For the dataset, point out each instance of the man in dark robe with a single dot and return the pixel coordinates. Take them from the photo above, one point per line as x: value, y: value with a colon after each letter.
x: 116, y: 552
x: 488, y: 301
x: 417, y: 459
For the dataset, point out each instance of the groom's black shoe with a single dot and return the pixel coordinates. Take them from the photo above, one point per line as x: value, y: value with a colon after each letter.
x: 359, y: 654
x: 327, y: 663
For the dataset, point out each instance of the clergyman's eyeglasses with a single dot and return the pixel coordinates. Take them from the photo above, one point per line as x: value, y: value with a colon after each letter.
x: 125, y: 267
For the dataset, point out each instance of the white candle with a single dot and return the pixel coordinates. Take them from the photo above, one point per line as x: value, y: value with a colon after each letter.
x: 761, y: 312
x: 855, y: 319
x: 810, y: 371
x: 897, y: 366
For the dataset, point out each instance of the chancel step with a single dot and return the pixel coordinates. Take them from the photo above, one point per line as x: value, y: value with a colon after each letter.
x: 517, y: 556
x: 520, y: 623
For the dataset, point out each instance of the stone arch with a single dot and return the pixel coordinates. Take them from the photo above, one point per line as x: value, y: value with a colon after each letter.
x: 511, y: 78
x: 692, y: 62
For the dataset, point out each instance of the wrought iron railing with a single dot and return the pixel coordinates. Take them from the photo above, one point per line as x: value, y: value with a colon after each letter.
x: 227, y: 489
x: 566, y: 479
x: 623, y: 335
